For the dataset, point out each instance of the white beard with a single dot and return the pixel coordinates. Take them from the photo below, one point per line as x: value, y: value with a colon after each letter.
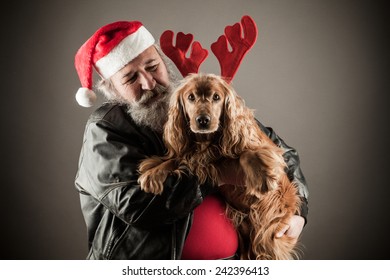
x: 155, y: 114
x: 152, y: 114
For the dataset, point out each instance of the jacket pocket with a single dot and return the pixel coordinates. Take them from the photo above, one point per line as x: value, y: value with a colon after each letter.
x: 138, y: 244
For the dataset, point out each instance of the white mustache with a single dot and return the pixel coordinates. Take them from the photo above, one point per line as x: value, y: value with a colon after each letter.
x: 147, y: 95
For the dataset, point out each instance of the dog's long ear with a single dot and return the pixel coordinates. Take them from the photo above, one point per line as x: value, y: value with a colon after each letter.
x: 234, y: 123
x: 175, y: 131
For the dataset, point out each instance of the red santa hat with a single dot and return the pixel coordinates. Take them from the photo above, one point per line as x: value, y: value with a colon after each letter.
x: 109, y: 50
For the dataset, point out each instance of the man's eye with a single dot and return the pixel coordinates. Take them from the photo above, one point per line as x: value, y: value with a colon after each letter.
x: 152, y: 68
x: 131, y: 80
x: 191, y: 97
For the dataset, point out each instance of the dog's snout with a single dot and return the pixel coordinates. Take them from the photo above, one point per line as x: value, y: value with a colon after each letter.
x: 203, y: 121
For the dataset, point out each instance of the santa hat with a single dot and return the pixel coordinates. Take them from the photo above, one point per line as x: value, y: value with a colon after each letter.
x: 109, y: 50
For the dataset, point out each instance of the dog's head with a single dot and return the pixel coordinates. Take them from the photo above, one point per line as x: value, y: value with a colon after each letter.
x: 202, y: 104
x: 203, y: 98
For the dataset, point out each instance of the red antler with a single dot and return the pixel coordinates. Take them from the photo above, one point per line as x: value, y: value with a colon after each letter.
x: 230, y: 61
x: 178, y: 53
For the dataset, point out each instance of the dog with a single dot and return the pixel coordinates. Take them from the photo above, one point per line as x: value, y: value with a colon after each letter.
x: 209, y: 125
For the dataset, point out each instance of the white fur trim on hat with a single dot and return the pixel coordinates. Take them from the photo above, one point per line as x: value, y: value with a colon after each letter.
x: 128, y: 49
x: 85, y: 97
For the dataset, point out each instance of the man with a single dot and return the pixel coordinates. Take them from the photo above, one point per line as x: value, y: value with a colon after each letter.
x: 186, y: 221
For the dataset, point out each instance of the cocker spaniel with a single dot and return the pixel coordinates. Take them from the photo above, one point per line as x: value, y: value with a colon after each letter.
x: 209, y: 125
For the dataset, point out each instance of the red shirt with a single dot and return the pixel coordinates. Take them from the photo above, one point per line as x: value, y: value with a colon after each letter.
x: 212, y: 235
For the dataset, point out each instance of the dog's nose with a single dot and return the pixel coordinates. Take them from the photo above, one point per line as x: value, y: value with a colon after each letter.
x: 203, y: 121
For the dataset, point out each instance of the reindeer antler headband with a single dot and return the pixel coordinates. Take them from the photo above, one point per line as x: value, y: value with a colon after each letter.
x: 228, y: 60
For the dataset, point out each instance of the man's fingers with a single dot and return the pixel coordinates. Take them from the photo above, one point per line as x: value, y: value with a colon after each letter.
x: 282, y: 231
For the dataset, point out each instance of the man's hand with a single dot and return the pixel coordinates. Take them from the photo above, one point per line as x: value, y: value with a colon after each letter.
x: 293, y: 228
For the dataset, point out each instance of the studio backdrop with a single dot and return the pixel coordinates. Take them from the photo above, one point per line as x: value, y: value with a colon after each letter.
x: 316, y: 75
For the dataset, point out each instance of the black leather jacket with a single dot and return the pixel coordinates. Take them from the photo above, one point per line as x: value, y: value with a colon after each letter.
x: 124, y: 222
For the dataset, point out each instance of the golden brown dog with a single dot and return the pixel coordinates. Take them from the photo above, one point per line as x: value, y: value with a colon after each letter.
x: 208, y: 126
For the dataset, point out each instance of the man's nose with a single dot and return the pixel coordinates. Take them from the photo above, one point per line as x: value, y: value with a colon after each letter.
x: 147, y: 81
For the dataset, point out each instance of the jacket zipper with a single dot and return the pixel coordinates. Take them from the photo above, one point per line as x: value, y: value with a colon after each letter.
x: 173, y: 248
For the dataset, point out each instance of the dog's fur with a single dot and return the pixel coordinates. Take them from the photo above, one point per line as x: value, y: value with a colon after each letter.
x: 208, y: 125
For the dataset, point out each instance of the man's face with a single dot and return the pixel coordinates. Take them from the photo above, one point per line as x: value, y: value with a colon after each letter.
x: 143, y: 85
x: 141, y: 76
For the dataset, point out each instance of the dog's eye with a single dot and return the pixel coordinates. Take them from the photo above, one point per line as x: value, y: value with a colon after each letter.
x: 191, y: 97
x: 216, y: 97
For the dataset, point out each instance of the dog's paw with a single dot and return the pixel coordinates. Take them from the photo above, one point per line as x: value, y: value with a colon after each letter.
x: 273, y: 169
x: 263, y: 170
x: 252, y: 166
x: 154, y: 173
x: 152, y: 181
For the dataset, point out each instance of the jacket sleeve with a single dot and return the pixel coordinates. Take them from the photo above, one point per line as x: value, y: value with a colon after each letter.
x: 294, y: 171
x: 108, y: 172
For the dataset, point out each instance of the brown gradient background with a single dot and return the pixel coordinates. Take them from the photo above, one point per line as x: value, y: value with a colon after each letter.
x: 317, y: 75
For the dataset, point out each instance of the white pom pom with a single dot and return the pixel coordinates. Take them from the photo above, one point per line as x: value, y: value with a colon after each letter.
x: 85, y: 97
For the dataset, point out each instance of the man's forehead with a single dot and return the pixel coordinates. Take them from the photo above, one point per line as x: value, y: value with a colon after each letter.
x: 147, y: 57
